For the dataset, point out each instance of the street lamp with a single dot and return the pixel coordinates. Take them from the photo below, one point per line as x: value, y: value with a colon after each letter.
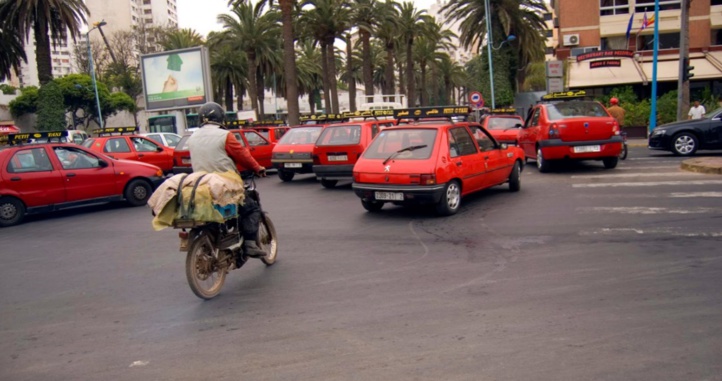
x: 96, y: 25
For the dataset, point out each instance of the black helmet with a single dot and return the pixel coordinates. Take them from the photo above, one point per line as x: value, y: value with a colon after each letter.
x: 213, y: 113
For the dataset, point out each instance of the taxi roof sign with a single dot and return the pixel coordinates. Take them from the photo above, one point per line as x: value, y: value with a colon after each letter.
x: 564, y: 95
x: 432, y: 112
x: 14, y: 139
x: 115, y: 130
x: 368, y: 113
x: 503, y: 111
x: 323, y: 117
x: 235, y: 123
x: 269, y: 123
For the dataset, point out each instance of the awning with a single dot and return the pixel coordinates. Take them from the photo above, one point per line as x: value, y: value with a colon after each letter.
x: 581, y: 75
x: 669, y: 70
x: 8, y: 129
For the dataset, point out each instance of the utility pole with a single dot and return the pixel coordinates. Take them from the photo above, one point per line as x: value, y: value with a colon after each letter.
x: 683, y: 80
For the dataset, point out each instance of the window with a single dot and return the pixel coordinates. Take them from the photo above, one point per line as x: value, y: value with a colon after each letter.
x: 73, y: 158
x: 614, y: 43
x: 172, y: 140
x: 278, y: 132
x: 87, y: 143
x: 548, y: 16
x: 716, y: 36
x: 614, y: 7
x: 254, y: 139
x: 144, y: 145
x: 575, y: 109
x: 147, y: 11
x: 501, y: 123
x: 535, y: 117
x: 664, y: 5
x: 239, y: 138
x: 301, y: 135
x: 716, y: 2
x: 666, y: 41
x: 116, y: 145
x: 30, y: 160
x: 549, y: 33
x: 464, y: 143
x: 155, y: 137
x: 339, y: 135
x: 374, y: 130
x: 146, y: 2
x: 482, y: 139
x: 549, y: 50
x: 418, y: 144
x: 579, y: 51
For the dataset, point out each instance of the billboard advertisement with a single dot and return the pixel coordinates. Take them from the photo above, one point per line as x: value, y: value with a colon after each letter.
x: 176, y: 79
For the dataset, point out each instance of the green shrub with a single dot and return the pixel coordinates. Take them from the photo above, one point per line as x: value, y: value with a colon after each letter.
x: 7, y: 89
x: 51, y: 110
x: 637, y: 114
x: 25, y: 103
x: 667, y: 107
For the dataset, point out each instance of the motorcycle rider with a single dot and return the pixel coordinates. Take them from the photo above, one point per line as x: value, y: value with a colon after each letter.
x: 616, y: 111
x: 214, y: 149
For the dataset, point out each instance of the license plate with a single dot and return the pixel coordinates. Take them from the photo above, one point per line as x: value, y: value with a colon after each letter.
x: 337, y: 157
x: 292, y: 165
x: 186, y: 161
x: 584, y: 149
x: 392, y: 196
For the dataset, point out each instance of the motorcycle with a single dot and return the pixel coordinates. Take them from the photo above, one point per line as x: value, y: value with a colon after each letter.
x: 623, y: 154
x: 215, y: 248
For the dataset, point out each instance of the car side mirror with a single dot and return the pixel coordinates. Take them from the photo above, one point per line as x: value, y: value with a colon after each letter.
x: 159, y: 149
x: 103, y: 163
x: 503, y: 146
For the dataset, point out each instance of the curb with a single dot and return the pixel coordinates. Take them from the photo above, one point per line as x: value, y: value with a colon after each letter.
x: 637, y: 145
x: 706, y: 165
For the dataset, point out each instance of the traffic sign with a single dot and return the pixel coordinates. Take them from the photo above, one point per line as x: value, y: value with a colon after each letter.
x: 476, y: 99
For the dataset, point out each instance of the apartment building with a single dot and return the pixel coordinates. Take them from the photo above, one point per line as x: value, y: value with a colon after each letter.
x: 586, y: 26
x: 61, y: 57
x: 458, y: 53
x: 552, y: 33
x: 125, y: 14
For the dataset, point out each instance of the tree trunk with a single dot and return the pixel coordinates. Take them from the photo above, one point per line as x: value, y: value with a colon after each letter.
x: 312, y: 101
x: 349, y: 74
x: 42, y: 50
x: 229, y: 95
x: 252, y: 86
x: 289, y: 62
x: 411, y: 89
x: 326, y: 81
x: 448, y: 91
x: 389, y: 72
x: 423, y: 92
x: 402, y: 80
x: 239, y: 92
x: 331, y: 56
x: 261, y: 95
x: 368, y: 74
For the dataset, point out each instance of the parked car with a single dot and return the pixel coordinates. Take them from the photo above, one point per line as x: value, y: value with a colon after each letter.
x: 272, y: 133
x: 167, y: 139
x: 45, y: 177
x: 570, y: 129
x: 687, y: 137
x: 503, y: 125
x: 123, y: 143
x: 259, y: 147
x: 433, y: 161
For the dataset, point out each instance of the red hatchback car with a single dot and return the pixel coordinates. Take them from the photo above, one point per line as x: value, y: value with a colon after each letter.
x: 272, y: 131
x: 123, y: 143
x: 570, y: 129
x: 259, y: 147
x: 44, y: 177
x: 433, y: 161
x: 503, y: 125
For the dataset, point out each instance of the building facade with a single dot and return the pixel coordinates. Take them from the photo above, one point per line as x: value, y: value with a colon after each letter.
x: 126, y: 14
x: 61, y: 56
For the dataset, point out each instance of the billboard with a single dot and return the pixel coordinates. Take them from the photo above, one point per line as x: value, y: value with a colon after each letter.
x: 176, y: 79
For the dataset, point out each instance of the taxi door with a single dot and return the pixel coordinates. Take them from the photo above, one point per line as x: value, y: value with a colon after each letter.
x: 260, y: 148
x: 496, y: 169
x: 119, y: 148
x: 529, y: 135
x: 84, y: 176
x: 30, y: 174
x: 150, y: 152
x: 465, y: 156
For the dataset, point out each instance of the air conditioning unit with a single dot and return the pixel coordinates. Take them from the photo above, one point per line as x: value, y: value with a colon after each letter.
x: 571, y: 39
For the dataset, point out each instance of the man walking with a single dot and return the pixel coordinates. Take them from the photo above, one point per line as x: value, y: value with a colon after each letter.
x: 697, y: 112
x: 616, y: 111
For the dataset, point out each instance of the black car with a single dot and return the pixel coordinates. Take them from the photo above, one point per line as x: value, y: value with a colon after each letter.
x: 686, y: 137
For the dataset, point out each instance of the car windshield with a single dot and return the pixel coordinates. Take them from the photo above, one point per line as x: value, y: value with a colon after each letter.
x: 390, y: 141
x: 183, y: 144
x: 87, y: 143
x: 301, y: 135
x: 575, y: 110
x: 497, y: 123
x: 712, y: 114
x: 339, y: 135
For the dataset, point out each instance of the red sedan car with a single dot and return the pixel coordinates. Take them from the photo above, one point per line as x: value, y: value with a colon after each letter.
x: 259, y: 147
x: 433, y: 161
x: 44, y: 177
x: 123, y: 143
x: 503, y: 125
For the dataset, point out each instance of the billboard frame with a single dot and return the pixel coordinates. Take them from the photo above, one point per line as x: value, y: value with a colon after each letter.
x: 205, y: 66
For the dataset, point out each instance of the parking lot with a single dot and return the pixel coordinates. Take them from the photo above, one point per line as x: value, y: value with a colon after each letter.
x: 585, y: 273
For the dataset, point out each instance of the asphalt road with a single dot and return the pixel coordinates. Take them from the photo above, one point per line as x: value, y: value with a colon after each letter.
x: 586, y: 274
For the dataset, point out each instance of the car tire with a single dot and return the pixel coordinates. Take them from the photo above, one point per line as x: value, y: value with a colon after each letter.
x: 624, y: 152
x: 372, y: 206
x: 12, y: 211
x: 329, y: 184
x: 684, y: 144
x: 450, y: 200
x: 515, y: 178
x: 543, y: 165
x: 610, y: 162
x: 285, y: 176
x: 137, y: 192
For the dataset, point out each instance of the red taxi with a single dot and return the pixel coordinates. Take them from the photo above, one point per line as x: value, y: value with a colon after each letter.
x: 271, y: 130
x: 503, y: 125
x: 259, y: 147
x: 294, y: 152
x: 570, y: 129
x: 44, y: 177
x: 433, y: 161
x: 123, y: 143
x: 340, y: 145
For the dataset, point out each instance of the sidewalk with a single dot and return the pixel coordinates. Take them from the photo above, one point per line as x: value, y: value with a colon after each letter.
x: 706, y: 165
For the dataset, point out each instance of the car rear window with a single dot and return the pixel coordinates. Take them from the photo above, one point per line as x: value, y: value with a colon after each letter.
x: 301, y: 135
x: 87, y: 143
x: 575, y: 110
x: 339, y: 135
x: 183, y: 144
x: 502, y: 123
x: 388, y: 142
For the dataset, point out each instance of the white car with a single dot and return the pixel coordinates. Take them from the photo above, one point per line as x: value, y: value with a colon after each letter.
x: 167, y: 139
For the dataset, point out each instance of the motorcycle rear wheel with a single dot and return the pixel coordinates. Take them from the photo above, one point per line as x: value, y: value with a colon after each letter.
x: 268, y: 240
x: 205, y: 273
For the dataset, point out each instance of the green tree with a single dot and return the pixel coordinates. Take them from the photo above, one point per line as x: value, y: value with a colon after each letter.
x: 50, y: 20
x: 387, y: 32
x: 12, y: 50
x: 429, y: 49
x: 51, y: 110
x: 229, y: 69
x: 310, y: 72
x: 173, y: 39
x: 412, y: 24
x: 25, y: 103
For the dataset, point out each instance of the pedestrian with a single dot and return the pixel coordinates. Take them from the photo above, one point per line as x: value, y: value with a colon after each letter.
x: 616, y: 111
x: 697, y: 112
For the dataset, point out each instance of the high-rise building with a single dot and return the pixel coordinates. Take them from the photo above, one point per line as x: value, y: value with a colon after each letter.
x: 125, y: 14
x: 61, y: 56
x: 458, y: 53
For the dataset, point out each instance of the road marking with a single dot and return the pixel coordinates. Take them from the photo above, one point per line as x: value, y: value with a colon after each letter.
x: 650, y: 167
x: 653, y: 158
x: 624, y: 175
x: 695, y: 194
x: 675, y: 232
x: 139, y: 363
x: 647, y: 210
x: 648, y: 184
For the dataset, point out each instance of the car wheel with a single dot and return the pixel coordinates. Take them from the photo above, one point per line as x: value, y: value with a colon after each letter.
x: 12, y: 211
x: 610, y: 162
x: 329, y: 183
x: 515, y: 178
x: 137, y: 192
x: 684, y: 144
x: 624, y: 152
x: 285, y: 176
x: 450, y: 200
x: 372, y: 206
x: 543, y: 165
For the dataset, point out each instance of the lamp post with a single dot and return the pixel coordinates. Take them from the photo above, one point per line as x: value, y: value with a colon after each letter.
x: 489, y: 47
x: 92, y: 70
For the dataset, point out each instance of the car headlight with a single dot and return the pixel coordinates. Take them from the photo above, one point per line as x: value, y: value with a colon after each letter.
x: 658, y: 132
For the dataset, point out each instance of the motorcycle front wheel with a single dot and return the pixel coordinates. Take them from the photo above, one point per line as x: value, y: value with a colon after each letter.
x: 623, y: 153
x: 268, y: 240
x: 204, y: 270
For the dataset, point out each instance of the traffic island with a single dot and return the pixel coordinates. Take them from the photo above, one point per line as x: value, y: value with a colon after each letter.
x: 707, y: 165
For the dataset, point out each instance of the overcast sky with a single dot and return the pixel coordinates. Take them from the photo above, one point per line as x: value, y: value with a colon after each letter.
x: 201, y: 14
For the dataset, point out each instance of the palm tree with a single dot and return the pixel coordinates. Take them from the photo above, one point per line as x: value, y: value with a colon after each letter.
x: 229, y: 69
x: 180, y: 39
x: 351, y: 77
x: 387, y: 32
x: 12, y: 53
x: 413, y: 23
x: 367, y: 15
x: 428, y: 49
x: 310, y: 72
x: 253, y: 31
x: 453, y: 76
x: 50, y: 20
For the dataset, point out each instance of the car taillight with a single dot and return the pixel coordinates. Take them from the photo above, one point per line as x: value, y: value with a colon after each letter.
x: 553, y: 130
x: 356, y: 177
x: 316, y: 160
x: 422, y: 179
x: 615, y: 128
x: 159, y: 173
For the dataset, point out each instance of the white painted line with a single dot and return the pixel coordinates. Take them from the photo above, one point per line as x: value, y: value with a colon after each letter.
x: 675, y: 232
x: 648, y: 184
x: 647, y: 174
x: 695, y: 194
x: 647, y: 210
x: 652, y: 158
x: 650, y: 167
